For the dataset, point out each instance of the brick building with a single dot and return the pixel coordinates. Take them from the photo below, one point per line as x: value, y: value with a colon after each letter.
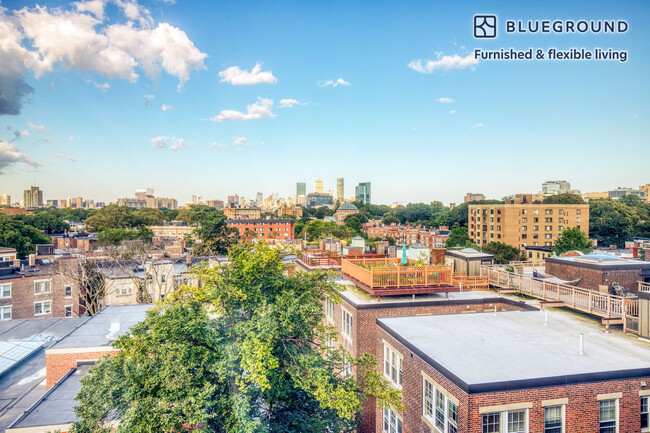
x: 521, y: 223
x: 269, y: 228
x: 356, y: 316
x: 83, y: 242
x: 407, y: 234
x: 596, y: 270
x: 242, y: 213
x: 507, y: 372
x: 34, y: 289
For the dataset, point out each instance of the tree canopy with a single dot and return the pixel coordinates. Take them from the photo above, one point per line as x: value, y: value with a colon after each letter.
x: 564, y: 198
x: 570, y: 239
x: 212, y: 233
x: 14, y: 233
x: 245, y: 352
x: 459, y: 238
x: 503, y: 253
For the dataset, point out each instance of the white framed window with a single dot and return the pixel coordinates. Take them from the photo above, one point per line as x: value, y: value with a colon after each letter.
x: 608, y: 416
x: 554, y: 419
x: 346, y: 371
x: 535, y: 211
x: 439, y: 410
x: 392, y: 422
x: 124, y: 289
x: 346, y: 326
x: 5, y: 312
x: 43, y: 307
x: 42, y: 286
x: 393, y: 365
x: 5, y: 290
x: 509, y: 421
x: 645, y: 422
x: 329, y: 309
x: 68, y: 310
x: 68, y: 291
x: 578, y: 219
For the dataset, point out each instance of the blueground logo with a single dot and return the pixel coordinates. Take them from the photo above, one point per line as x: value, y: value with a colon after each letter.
x: 485, y: 26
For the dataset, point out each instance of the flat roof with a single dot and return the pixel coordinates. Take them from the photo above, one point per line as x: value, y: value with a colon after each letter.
x: 55, y: 408
x: 104, y: 327
x: 488, y: 352
x: 364, y: 300
x: 602, y: 261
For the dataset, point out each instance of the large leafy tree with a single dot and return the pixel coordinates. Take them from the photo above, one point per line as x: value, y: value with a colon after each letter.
x: 112, y: 216
x: 503, y: 253
x: 213, y: 236
x: 564, y: 198
x: 245, y: 352
x: 16, y: 234
x: 611, y: 222
x: 458, y: 237
x: 570, y: 239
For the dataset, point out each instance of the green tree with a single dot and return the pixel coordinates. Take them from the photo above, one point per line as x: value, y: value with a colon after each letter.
x: 611, y: 222
x: 16, y: 234
x: 459, y: 238
x: 570, y: 239
x: 213, y: 236
x: 44, y: 221
x: 503, y: 253
x: 112, y: 216
x: 564, y: 198
x: 390, y: 219
x: 149, y: 217
x: 355, y: 222
x: 245, y: 352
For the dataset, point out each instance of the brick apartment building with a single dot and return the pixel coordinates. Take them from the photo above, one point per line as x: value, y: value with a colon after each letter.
x: 356, y: 316
x: 268, y: 228
x: 33, y: 289
x: 176, y: 230
x: 598, y: 270
x: 242, y: 213
x: 83, y: 242
x: 407, y: 234
x: 521, y: 223
x: 508, y: 372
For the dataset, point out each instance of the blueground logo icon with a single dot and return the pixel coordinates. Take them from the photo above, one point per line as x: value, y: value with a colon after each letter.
x: 485, y: 26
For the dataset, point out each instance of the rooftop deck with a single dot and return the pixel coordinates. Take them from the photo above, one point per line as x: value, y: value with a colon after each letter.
x: 382, y: 277
x: 319, y: 259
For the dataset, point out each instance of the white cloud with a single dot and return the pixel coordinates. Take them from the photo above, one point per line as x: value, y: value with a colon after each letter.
x: 39, y: 128
x: 338, y: 82
x: 10, y: 155
x: 478, y: 125
x: 60, y: 155
x: 103, y: 87
x: 452, y: 112
x: 258, y: 110
x: 445, y: 63
x: 168, y: 143
x: 215, y: 144
x: 24, y: 133
x: 95, y: 7
x: 239, y: 141
x: 288, y: 103
x: 71, y: 137
x: 166, y: 107
x: 446, y: 100
x: 241, y: 77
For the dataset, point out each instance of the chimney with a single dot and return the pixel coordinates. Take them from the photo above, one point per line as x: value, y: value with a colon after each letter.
x: 188, y: 260
x: 17, y: 263
x: 32, y: 260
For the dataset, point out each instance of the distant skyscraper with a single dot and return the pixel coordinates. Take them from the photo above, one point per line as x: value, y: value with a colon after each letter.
x: 32, y: 198
x: 318, y: 185
x: 362, y: 192
x: 5, y: 200
x: 301, y: 188
x: 259, y: 199
x: 339, y: 190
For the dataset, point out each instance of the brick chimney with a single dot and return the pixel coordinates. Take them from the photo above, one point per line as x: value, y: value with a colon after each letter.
x: 188, y: 260
x: 32, y: 260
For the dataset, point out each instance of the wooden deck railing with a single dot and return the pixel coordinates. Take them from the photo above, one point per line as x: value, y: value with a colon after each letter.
x: 320, y: 258
x: 378, y: 273
x: 470, y: 282
x: 589, y: 301
x: 644, y: 287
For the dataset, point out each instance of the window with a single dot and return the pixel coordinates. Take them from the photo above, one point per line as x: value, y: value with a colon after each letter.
x: 577, y: 211
x: 5, y: 290
x: 524, y: 236
x: 548, y: 211
x: 645, y: 401
x: 554, y: 419
x: 560, y: 228
x: 124, y: 289
x: 548, y: 236
x: 561, y: 211
x: 512, y: 421
x: 392, y: 365
x: 5, y: 312
x: 439, y: 409
x: 392, y: 422
x: 524, y: 212
x: 44, y: 286
x: 346, y: 371
x: 329, y: 309
x: 68, y: 311
x: 578, y: 219
x: 347, y: 324
x: 535, y: 211
x: 524, y: 228
x: 44, y: 307
x: 608, y: 416
x: 548, y: 220
x: 68, y: 291
x: 163, y: 278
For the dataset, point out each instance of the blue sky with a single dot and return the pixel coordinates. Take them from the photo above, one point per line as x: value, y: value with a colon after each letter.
x: 90, y: 128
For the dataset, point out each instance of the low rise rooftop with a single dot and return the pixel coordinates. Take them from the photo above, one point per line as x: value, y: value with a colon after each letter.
x: 492, y: 352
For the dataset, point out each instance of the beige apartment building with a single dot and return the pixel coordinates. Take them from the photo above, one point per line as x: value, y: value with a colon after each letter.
x: 646, y: 192
x: 525, y: 224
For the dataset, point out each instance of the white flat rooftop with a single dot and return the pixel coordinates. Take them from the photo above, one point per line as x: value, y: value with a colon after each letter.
x: 486, y: 352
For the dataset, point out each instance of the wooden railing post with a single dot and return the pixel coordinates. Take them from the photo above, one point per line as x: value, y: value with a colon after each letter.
x: 590, y: 301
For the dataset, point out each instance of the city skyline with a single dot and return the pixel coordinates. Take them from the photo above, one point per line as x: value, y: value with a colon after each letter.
x: 392, y: 90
